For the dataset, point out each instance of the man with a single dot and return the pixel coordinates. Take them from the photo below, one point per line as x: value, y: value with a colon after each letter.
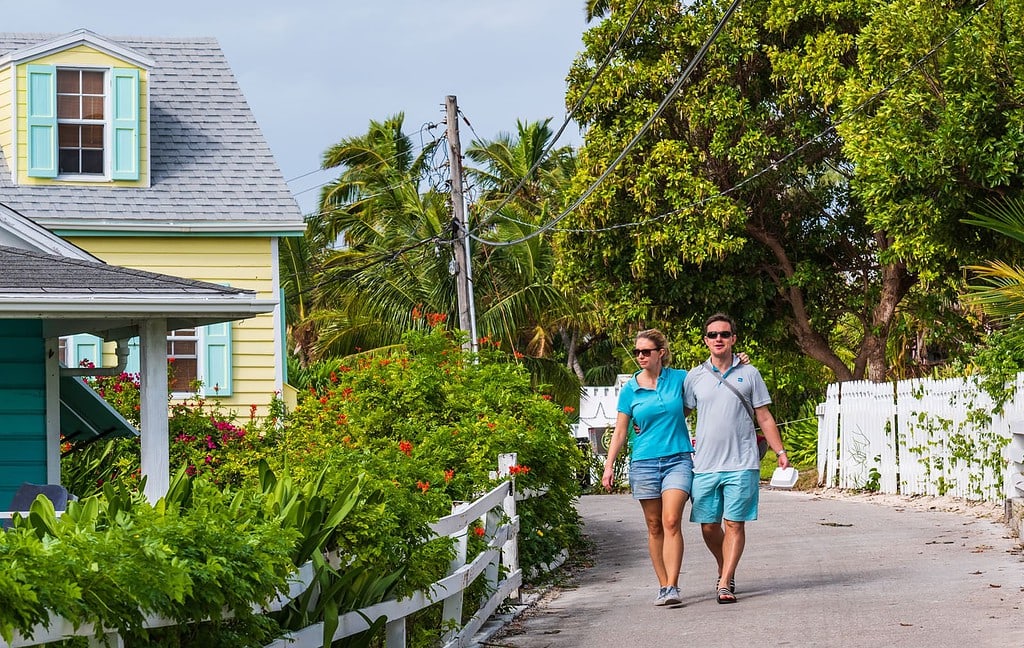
x: 726, y: 464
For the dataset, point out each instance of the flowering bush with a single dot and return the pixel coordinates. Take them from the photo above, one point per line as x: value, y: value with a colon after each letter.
x: 426, y: 424
x: 423, y: 425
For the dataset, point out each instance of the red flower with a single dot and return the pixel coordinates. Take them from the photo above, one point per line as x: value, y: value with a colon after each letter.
x: 479, y: 531
x: 568, y: 409
x: 423, y: 486
x: 518, y: 470
x: 546, y: 396
x: 405, y: 447
x: 449, y: 475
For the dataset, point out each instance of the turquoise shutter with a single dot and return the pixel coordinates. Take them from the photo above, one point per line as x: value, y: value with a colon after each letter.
x: 217, y: 359
x: 125, y: 125
x: 283, y: 337
x: 134, y: 364
x: 84, y: 347
x: 42, y: 120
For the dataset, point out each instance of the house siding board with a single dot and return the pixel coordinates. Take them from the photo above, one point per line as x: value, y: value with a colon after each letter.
x: 22, y: 406
x: 209, y: 164
x: 6, y: 112
x: 239, y: 262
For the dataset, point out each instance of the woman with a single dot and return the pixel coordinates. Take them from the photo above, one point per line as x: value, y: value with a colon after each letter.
x: 661, y: 455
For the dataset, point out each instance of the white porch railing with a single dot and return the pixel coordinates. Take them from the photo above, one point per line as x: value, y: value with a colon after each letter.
x: 499, y: 564
x: 922, y: 437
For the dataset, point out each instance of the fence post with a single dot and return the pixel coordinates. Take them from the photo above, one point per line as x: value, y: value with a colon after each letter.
x: 394, y: 633
x: 451, y: 615
x: 510, y: 550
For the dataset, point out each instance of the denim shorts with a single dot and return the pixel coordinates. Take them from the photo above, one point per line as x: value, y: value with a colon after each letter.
x: 649, y: 478
x: 732, y: 495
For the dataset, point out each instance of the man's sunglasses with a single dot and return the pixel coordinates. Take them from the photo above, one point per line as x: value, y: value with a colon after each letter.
x: 725, y: 335
x: 645, y: 353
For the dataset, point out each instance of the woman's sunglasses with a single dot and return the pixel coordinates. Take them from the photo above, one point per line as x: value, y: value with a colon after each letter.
x: 645, y: 353
x: 725, y: 335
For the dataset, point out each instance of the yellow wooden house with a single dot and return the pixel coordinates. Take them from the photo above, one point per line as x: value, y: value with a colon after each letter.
x: 144, y: 152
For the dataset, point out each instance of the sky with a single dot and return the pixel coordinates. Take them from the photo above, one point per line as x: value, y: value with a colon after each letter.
x: 342, y: 63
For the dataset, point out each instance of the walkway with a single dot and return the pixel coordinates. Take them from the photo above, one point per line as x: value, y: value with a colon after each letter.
x: 817, y: 572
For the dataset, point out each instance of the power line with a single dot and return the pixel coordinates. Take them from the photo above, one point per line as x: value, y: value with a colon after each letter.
x: 426, y: 126
x: 636, y: 138
x: 572, y: 112
x: 774, y: 166
x: 382, y: 257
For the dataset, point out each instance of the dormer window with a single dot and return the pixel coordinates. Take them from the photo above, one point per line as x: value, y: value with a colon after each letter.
x: 80, y: 121
x: 83, y: 124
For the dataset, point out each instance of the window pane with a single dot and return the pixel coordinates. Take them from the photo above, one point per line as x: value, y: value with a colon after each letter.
x: 69, y: 162
x: 69, y: 107
x: 92, y: 107
x: 183, y: 374
x: 92, y: 83
x: 92, y: 161
x: 67, y: 81
x: 68, y: 136
x: 184, y: 347
x: 92, y: 137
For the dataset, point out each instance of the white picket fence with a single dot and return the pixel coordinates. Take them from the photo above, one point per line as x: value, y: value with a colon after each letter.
x: 498, y: 563
x: 922, y: 437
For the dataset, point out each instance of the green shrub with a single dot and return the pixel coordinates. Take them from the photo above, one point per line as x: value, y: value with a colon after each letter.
x: 425, y: 424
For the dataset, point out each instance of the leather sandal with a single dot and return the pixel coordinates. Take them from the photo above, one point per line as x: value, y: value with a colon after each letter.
x: 725, y: 596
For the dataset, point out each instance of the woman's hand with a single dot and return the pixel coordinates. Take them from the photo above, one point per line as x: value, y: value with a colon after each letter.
x: 608, y: 478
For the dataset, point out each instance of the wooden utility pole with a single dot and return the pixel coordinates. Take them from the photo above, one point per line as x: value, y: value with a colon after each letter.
x: 460, y: 243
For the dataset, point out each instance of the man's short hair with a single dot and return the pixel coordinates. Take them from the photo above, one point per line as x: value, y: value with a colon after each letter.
x: 720, y: 317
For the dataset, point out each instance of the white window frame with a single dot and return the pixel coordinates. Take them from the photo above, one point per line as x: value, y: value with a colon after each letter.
x: 107, y: 123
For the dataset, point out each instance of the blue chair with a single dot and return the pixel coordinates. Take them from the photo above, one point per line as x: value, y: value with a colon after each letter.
x: 27, y: 493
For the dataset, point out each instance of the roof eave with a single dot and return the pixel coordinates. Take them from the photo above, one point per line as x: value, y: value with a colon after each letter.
x: 71, y: 39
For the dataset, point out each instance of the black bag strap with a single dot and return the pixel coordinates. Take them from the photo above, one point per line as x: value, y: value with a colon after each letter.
x: 746, y: 404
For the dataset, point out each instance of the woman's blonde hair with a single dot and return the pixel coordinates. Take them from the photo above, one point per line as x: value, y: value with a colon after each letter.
x: 656, y: 336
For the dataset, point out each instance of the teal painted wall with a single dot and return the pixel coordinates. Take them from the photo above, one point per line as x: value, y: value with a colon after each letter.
x: 22, y: 406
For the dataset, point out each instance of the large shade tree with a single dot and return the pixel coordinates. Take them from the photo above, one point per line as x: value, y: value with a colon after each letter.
x: 810, y: 177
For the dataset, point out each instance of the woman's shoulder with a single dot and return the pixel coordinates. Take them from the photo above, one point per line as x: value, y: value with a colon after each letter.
x: 675, y: 372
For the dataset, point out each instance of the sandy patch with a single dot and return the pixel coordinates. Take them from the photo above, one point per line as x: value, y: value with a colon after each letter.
x: 986, y: 510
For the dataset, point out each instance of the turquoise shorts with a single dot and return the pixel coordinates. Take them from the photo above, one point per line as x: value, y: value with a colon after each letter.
x: 732, y: 495
x: 649, y: 478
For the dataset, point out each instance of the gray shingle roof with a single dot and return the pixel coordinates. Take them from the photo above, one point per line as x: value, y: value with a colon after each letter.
x: 35, y: 273
x: 210, y: 167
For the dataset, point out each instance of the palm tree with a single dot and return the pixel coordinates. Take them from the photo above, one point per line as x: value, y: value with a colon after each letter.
x: 1000, y: 290
x: 382, y: 253
x: 522, y: 181
x: 373, y: 252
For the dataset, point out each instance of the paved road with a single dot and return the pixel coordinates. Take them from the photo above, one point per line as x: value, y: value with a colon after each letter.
x: 816, y: 572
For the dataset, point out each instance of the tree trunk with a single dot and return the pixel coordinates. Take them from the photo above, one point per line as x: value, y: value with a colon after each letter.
x: 571, y: 339
x: 896, y: 283
x: 812, y: 343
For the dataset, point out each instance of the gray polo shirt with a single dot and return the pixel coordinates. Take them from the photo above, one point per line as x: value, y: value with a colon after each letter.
x: 725, y: 434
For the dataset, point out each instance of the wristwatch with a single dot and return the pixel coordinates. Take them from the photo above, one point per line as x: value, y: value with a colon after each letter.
x: 780, y: 452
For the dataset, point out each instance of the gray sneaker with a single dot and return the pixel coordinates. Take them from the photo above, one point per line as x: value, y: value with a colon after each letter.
x: 661, y: 598
x: 671, y: 596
